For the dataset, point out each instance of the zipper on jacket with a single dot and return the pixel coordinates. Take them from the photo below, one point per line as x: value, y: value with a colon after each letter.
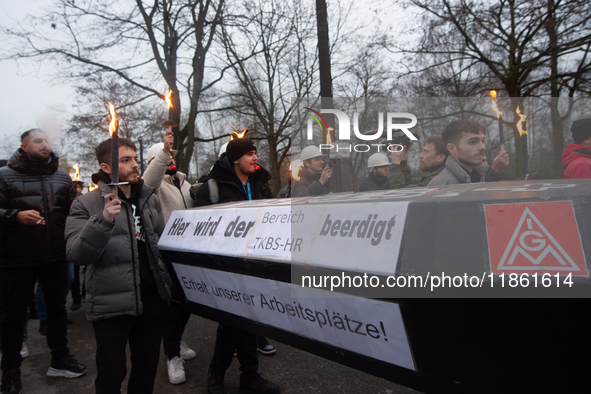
x: 132, y: 239
x: 46, y: 207
x: 179, y: 189
x: 163, y: 283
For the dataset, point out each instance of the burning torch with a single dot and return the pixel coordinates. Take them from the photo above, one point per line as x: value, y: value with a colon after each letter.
x: 295, y: 168
x: 523, y: 135
x: 113, y: 126
x: 495, y: 108
x: 236, y: 134
x: 169, y: 123
x: 75, y: 177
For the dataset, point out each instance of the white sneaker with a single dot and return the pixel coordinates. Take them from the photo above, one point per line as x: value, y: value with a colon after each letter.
x: 24, y: 351
x: 186, y: 352
x: 176, y: 370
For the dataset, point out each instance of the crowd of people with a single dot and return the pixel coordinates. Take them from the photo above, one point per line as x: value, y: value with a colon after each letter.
x: 113, y: 232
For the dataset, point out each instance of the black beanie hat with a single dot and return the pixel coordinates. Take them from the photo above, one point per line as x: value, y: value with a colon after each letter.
x: 239, y: 147
x: 581, y: 130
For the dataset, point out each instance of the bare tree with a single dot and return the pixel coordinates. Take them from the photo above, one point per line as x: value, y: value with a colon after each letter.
x: 155, y: 46
x: 272, y: 56
x: 90, y: 125
x: 507, y: 42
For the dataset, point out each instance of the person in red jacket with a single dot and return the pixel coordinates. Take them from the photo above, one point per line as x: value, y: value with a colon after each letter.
x: 576, y: 159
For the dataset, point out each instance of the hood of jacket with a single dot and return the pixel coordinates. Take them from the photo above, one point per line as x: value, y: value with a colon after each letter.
x: 574, y: 152
x: 21, y: 162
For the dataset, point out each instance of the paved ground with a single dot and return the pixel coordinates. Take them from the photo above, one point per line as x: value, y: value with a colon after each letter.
x: 294, y: 370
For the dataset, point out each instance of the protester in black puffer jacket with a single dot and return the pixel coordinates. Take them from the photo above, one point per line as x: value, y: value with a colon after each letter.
x: 230, y: 187
x: 35, y: 198
x: 32, y: 185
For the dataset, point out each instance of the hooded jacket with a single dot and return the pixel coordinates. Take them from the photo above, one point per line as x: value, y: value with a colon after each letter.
x: 110, y: 251
x: 229, y: 185
x: 374, y: 182
x: 454, y: 173
x: 26, y: 184
x: 170, y: 196
x: 309, y: 185
x: 576, y: 160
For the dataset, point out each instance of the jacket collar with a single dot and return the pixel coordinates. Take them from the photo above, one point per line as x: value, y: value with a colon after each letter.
x: 179, y: 175
x: 222, y: 171
x: 102, y: 180
x: 460, y: 172
x: 308, y: 175
x: 378, y: 179
x: 21, y: 162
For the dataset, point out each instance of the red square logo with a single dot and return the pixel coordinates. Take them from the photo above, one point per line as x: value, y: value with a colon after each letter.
x: 540, y: 237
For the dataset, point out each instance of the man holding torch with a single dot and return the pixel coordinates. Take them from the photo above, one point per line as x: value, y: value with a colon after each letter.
x: 174, y: 194
x: 116, y: 237
x: 35, y: 198
x: 464, y: 140
x: 238, y: 178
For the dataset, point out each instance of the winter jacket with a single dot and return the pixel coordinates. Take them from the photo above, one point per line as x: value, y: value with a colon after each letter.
x: 170, y: 196
x: 309, y: 185
x: 374, y: 182
x: 27, y: 184
x: 110, y: 251
x: 576, y: 160
x: 229, y: 185
x: 454, y: 173
x: 400, y: 176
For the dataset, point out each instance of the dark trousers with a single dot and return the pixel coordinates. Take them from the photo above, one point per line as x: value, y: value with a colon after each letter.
x: 174, y: 327
x: 17, y: 285
x: 77, y: 299
x: 144, y: 333
x: 230, y: 339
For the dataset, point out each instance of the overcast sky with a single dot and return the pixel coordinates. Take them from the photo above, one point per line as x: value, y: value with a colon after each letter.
x: 29, y: 98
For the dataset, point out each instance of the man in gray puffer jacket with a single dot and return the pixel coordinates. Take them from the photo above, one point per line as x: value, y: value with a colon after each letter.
x: 126, y: 280
x: 464, y: 139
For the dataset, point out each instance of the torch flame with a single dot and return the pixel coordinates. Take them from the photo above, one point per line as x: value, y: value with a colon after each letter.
x: 493, y: 104
x: 328, y: 139
x: 295, y: 167
x: 167, y: 98
x: 520, y: 122
x: 75, y: 178
x: 239, y: 135
x: 91, y: 187
x: 114, y: 120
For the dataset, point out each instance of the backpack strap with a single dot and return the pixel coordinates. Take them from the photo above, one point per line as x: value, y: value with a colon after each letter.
x: 214, y: 193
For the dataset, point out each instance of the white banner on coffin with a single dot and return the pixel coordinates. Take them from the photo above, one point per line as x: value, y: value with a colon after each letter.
x: 371, y: 328
x: 356, y: 237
